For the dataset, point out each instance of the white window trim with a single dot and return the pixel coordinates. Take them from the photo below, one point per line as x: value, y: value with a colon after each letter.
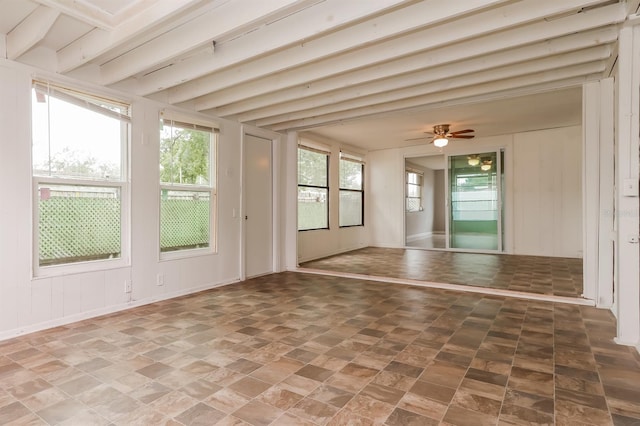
x: 318, y: 149
x: 123, y: 184
x: 90, y: 265
x: 357, y: 160
x: 212, y: 189
x: 419, y: 185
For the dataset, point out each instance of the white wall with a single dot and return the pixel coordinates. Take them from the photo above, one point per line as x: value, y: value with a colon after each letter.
x: 326, y: 242
x: 439, y: 202
x: 420, y: 224
x: 547, y: 169
x: 532, y: 172
x: 28, y: 304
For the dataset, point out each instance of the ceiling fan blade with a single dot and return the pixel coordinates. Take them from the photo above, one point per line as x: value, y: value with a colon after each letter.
x: 462, y: 131
x: 418, y: 139
x: 463, y: 136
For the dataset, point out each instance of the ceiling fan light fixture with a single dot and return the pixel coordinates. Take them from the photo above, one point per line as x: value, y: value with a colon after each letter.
x: 440, y: 141
x: 473, y: 160
x: 486, y: 165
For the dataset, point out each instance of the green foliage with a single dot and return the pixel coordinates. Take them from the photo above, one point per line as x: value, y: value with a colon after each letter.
x: 350, y: 175
x: 184, y: 156
x: 71, y: 163
x: 312, y: 168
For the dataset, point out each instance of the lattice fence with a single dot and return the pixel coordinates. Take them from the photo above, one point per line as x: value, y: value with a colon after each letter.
x: 75, y: 229
x: 78, y: 228
x: 184, y: 223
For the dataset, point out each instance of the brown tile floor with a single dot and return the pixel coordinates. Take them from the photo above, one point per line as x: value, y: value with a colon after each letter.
x: 301, y: 349
x: 532, y: 274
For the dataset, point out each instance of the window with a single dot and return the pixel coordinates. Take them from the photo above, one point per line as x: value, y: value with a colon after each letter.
x: 313, y: 189
x: 80, y: 178
x: 187, y: 191
x: 351, y: 191
x: 414, y: 190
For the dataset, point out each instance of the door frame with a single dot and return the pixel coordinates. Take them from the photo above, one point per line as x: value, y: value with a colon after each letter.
x: 275, y: 139
x: 501, y: 213
x: 506, y: 195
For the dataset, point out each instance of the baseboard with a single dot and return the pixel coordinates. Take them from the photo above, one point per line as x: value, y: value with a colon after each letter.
x: 33, y: 328
x: 420, y: 236
x: 322, y: 256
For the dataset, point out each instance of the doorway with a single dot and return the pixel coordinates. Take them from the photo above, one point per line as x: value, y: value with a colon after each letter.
x: 475, y: 200
x: 257, y: 206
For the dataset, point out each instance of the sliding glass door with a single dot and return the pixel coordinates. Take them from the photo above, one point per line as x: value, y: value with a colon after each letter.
x: 475, y: 201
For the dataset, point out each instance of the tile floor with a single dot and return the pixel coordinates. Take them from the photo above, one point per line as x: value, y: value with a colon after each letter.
x: 532, y: 274
x: 301, y: 349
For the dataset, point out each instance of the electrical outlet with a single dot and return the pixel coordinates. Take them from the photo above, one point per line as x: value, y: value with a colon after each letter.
x: 127, y: 286
x: 160, y: 279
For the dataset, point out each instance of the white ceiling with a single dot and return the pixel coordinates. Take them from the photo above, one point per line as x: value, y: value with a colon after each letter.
x: 369, y: 73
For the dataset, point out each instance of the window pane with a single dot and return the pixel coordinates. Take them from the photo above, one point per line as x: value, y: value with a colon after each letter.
x: 184, y: 155
x: 413, y: 191
x: 184, y: 219
x: 312, y: 208
x: 78, y: 223
x: 72, y: 141
x: 312, y: 168
x: 413, y: 204
x: 350, y: 208
x: 350, y: 175
x: 413, y: 178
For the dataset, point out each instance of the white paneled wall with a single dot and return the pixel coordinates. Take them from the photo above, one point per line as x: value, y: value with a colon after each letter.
x: 28, y: 304
x: 543, y: 190
x: 547, y: 185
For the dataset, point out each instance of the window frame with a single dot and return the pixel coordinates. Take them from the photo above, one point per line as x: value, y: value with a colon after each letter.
x: 327, y: 154
x: 420, y: 176
x: 361, y: 190
x: 212, y: 189
x: 79, y: 97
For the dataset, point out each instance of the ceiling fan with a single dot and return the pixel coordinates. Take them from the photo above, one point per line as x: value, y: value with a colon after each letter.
x: 441, y: 135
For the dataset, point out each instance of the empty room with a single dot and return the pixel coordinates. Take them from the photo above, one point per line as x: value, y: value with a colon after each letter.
x: 319, y: 212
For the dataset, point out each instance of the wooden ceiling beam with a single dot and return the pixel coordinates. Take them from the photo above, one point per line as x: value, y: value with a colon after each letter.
x: 30, y: 31
x: 372, y: 60
x: 392, y: 91
x: 426, y: 63
x: 379, y: 50
x: 309, y: 45
x: 230, y: 16
x: 473, y: 71
x: 99, y: 41
x: 579, y: 73
x: 82, y: 11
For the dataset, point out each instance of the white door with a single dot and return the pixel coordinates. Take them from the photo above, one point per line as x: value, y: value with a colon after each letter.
x: 258, y: 209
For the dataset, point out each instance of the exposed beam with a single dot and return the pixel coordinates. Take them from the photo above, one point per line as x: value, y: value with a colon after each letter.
x: 309, y: 46
x: 82, y: 11
x: 468, y: 27
x: 296, y: 29
x: 229, y: 16
x: 395, y: 89
x: 98, y: 41
x: 346, y: 68
x: 473, y: 71
x: 574, y: 73
x: 423, y: 64
x: 30, y: 31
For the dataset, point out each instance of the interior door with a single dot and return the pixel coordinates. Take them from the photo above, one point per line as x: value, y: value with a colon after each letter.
x: 475, y: 201
x: 258, y: 209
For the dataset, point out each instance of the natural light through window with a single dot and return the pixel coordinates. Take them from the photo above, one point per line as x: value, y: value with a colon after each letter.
x: 186, y: 186
x: 78, y: 157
